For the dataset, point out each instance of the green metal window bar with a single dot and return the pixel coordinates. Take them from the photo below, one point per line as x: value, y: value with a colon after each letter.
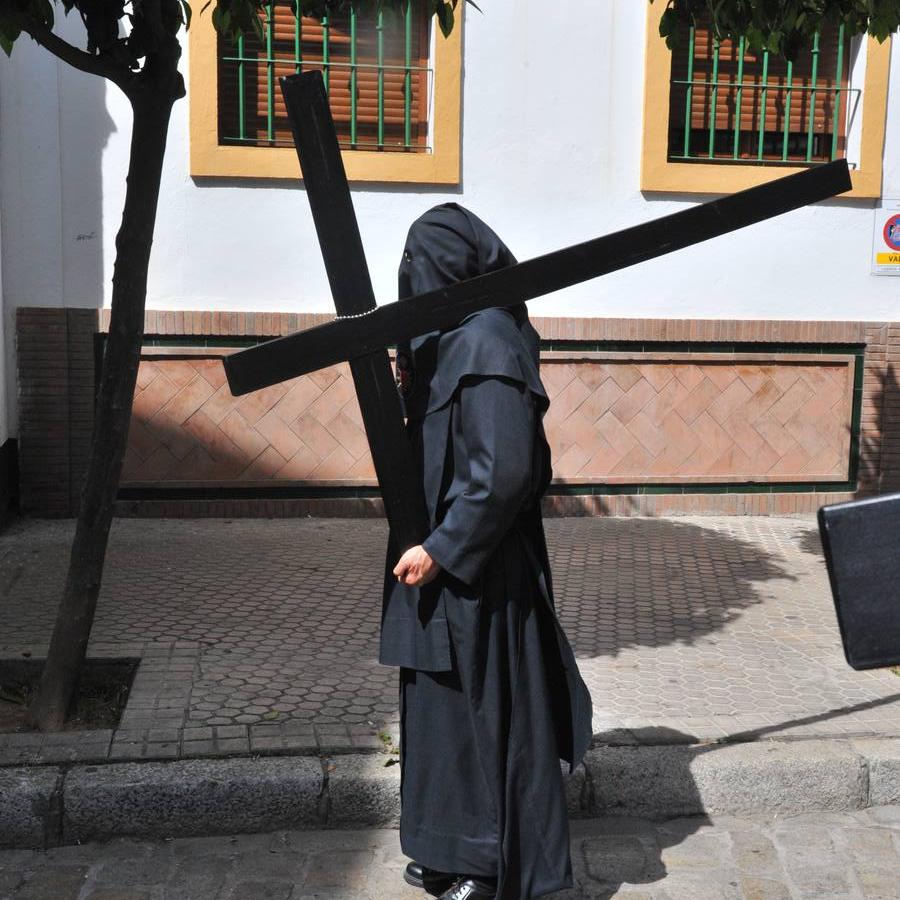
x: 382, y: 105
x: 753, y: 90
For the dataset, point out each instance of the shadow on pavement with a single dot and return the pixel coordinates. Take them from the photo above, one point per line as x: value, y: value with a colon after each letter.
x: 808, y: 541
x: 651, y: 582
x: 754, y: 734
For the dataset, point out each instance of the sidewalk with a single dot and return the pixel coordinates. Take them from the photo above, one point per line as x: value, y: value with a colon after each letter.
x: 260, y: 636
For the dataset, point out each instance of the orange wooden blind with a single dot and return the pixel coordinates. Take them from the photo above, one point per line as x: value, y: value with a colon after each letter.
x: 315, y: 45
x: 762, y: 94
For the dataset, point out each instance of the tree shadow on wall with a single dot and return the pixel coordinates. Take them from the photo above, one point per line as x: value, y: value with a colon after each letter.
x: 879, y: 453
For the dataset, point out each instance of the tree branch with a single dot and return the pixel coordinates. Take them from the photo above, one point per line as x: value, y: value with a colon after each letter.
x: 79, y: 59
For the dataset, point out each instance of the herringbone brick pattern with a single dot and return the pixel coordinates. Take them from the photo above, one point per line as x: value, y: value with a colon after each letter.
x: 608, y: 420
x: 633, y: 420
x: 187, y: 426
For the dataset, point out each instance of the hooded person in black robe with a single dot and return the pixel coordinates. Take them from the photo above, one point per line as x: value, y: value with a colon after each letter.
x: 490, y: 694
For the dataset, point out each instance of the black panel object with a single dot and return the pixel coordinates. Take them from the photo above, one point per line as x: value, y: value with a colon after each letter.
x: 861, y: 540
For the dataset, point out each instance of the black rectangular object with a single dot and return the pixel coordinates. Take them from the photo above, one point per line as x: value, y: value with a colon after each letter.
x: 861, y: 540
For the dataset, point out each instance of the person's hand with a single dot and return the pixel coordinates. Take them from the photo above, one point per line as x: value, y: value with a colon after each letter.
x: 416, y: 567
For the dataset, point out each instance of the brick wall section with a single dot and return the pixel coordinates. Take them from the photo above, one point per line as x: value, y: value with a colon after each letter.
x: 872, y: 408
x: 571, y: 329
x: 56, y: 372
x: 158, y: 323
x: 890, y: 420
x: 240, y: 324
x: 712, y: 330
x: 43, y: 394
x: 55, y: 393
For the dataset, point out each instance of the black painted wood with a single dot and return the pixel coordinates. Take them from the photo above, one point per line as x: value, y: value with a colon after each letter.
x: 351, y: 288
x: 861, y: 540
x: 325, y: 345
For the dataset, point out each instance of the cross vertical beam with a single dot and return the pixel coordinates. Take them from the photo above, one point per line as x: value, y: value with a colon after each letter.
x: 351, y: 288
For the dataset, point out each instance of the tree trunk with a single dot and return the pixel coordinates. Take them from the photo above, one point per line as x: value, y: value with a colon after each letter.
x: 68, y: 646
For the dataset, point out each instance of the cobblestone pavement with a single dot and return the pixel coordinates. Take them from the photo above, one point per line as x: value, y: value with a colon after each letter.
x: 262, y: 634
x: 851, y: 856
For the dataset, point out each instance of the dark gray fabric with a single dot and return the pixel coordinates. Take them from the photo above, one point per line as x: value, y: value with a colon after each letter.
x: 479, y: 750
x: 491, y: 697
x: 446, y: 245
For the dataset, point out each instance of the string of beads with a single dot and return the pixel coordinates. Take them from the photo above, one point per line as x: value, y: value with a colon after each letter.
x: 360, y: 315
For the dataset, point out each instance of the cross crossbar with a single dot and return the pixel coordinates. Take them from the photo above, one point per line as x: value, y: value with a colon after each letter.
x: 324, y: 345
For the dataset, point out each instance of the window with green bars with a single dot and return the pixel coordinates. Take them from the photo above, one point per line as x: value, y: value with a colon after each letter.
x: 731, y: 104
x: 375, y: 66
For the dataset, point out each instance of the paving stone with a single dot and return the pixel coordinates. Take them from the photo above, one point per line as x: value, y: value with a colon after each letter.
x: 259, y: 890
x: 26, y: 797
x: 339, y: 869
x: 362, y: 790
x: 106, y: 893
x: 618, y: 858
x: 820, y: 881
x: 884, y: 770
x: 755, y: 854
x: 57, y: 883
x: 144, y: 865
x: 755, y: 888
x: 878, y: 883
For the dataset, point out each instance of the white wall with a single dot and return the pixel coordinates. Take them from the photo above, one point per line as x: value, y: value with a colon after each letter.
x: 550, y: 156
x: 551, y: 150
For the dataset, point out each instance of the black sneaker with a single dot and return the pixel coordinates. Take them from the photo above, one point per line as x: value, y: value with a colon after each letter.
x: 469, y: 889
x: 428, y: 879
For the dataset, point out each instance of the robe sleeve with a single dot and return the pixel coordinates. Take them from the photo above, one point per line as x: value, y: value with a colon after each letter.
x: 497, y: 426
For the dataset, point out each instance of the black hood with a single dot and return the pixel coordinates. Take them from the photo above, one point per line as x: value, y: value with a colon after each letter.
x: 449, y: 244
x: 446, y: 245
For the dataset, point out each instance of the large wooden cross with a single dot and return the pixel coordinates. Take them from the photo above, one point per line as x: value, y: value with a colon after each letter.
x: 363, y: 331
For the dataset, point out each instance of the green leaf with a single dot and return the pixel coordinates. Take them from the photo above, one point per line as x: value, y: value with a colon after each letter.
x: 8, y: 35
x: 258, y: 27
x: 445, y: 18
x: 668, y: 24
x: 187, y: 13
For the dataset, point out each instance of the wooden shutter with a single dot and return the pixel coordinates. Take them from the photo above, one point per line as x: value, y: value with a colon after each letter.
x: 307, y: 53
x: 728, y: 109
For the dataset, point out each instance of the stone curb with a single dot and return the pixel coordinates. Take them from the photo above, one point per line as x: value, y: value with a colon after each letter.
x: 49, y: 806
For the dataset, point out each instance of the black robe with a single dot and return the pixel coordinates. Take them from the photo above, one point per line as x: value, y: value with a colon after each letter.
x: 490, y: 694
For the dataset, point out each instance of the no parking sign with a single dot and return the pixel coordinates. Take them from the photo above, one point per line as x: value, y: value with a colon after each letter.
x: 886, y: 239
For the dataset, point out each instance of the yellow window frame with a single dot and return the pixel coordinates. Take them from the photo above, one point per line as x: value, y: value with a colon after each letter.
x: 210, y: 159
x: 659, y: 174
